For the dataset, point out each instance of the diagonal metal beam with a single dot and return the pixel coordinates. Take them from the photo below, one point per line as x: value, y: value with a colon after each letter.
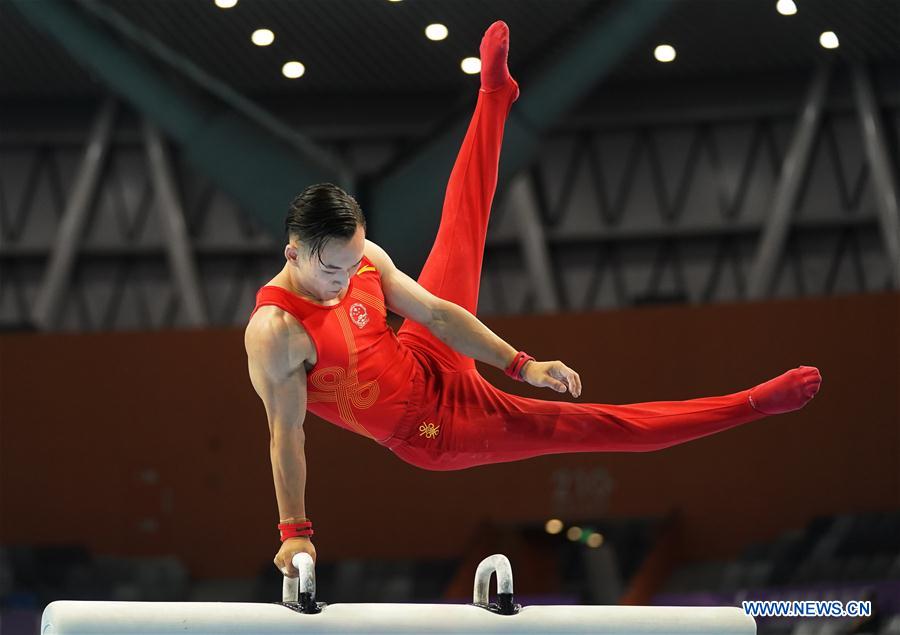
x: 311, y: 152
x: 794, y: 167
x: 533, y: 241
x: 407, y: 201
x: 178, y: 244
x: 882, y: 166
x: 75, y: 216
x: 245, y: 157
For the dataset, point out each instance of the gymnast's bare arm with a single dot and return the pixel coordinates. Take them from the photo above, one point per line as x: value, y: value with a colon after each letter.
x: 277, y: 349
x: 459, y: 329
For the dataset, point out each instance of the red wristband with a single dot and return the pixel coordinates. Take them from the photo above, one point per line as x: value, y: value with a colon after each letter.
x: 515, y: 367
x: 295, y: 530
x: 304, y: 525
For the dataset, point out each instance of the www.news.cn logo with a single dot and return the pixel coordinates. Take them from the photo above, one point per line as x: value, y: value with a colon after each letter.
x: 807, y: 608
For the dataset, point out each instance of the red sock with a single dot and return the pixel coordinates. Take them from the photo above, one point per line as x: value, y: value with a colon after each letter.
x: 789, y: 391
x: 494, y: 50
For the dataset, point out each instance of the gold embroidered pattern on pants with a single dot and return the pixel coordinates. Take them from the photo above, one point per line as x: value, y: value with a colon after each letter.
x: 429, y: 430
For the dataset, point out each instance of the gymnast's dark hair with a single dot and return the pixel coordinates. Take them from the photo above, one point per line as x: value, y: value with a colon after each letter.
x: 320, y: 213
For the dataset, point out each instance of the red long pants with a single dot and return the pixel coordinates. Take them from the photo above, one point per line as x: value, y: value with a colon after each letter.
x: 462, y: 420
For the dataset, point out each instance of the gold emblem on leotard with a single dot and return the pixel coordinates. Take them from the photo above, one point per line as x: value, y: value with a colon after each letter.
x: 429, y: 430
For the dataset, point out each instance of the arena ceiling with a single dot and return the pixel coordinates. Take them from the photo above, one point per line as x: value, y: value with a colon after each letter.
x: 366, y: 47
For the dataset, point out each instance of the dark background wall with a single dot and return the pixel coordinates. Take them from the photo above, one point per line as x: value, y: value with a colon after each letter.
x: 154, y: 443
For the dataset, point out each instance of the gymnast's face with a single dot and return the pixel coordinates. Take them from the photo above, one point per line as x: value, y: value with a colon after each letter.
x: 327, y: 274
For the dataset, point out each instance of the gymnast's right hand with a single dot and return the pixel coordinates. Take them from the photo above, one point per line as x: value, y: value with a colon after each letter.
x: 290, y: 547
x: 554, y: 375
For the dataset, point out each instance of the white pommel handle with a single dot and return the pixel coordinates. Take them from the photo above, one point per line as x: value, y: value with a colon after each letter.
x: 304, y: 583
x: 499, y: 564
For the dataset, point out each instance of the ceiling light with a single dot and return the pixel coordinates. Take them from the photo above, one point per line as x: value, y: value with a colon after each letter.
x: 664, y: 53
x: 262, y: 37
x: 574, y: 534
x: 471, y: 65
x: 436, y: 32
x: 293, y: 70
x: 829, y: 40
x: 553, y: 526
x: 226, y: 4
x: 595, y: 540
x: 786, y: 7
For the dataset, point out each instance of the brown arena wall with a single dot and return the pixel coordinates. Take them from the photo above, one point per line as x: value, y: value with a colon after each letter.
x: 155, y: 443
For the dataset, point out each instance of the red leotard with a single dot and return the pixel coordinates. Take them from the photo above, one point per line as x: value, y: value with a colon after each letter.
x: 363, y: 374
x: 428, y: 403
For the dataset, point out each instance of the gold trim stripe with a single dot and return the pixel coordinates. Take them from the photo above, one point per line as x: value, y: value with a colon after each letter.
x: 367, y: 297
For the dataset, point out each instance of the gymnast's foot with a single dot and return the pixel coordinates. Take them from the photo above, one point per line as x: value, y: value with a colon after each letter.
x: 787, y: 392
x: 494, y: 50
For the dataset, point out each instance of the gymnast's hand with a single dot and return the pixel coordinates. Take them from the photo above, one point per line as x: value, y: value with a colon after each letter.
x: 555, y: 375
x: 289, y: 548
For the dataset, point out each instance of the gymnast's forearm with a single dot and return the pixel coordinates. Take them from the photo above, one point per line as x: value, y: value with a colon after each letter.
x: 288, y: 454
x: 466, y: 334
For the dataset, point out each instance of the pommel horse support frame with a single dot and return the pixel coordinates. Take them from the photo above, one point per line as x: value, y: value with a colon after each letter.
x: 300, y: 614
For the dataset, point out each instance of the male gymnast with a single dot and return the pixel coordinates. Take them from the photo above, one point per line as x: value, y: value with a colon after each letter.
x: 318, y: 340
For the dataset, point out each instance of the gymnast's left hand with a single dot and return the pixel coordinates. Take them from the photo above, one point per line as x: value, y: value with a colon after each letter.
x: 555, y: 375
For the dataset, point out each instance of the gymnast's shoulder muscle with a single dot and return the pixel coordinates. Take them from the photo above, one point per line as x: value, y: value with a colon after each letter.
x: 379, y: 257
x: 277, y: 343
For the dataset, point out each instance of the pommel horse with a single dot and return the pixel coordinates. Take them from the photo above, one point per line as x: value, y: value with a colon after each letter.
x: 300, y: 614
